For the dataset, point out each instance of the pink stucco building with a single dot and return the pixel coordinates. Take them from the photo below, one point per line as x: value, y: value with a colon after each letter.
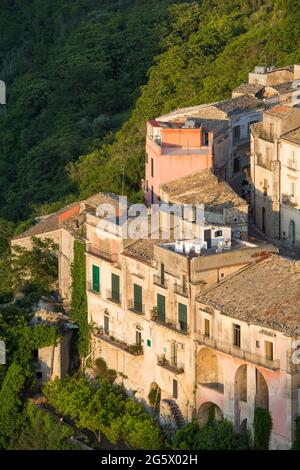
x: 175, y: 149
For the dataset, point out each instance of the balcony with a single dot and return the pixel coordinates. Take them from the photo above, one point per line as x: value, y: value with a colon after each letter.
x: 113, y: 296
x: 171, y: 324
x: 133, y: 349
x: 171, y: 367
x: 136, y: 307
x: 158, y: 281
x: 90, y: 288
x: 234, y: 351
x: 105, y: 255
x: 181, y: 290
x: 292, y: 164
x: 262, y: 162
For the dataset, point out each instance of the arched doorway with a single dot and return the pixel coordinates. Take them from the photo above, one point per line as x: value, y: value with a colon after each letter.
x: 263, y: 219
x: 209, y: 372
x: 262, y: 391
x: 208, y: 411
x: 292, y: 232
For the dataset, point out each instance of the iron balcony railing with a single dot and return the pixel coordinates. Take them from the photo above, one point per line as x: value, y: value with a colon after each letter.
x: 106, y: 255
x: 181, y: 290
x: 241, y: 353
x: 134, y: 349
x: 136, y: 307
x: 180, y: 327
x: 91, y: 288
x: 171, y: 367
x: 162, y: 282
x: 113, y: 296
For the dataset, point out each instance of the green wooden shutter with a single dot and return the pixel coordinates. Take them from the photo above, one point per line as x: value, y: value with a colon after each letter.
x: 137, y: 298
x: 115, y: 287
x: 96, y: 278
x: 161, y: 312
x: 182, y: 314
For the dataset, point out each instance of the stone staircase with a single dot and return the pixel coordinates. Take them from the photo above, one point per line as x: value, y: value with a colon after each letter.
x: 176, y: 414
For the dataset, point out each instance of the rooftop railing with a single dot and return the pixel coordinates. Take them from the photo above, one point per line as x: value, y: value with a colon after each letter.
x: 106, y: 255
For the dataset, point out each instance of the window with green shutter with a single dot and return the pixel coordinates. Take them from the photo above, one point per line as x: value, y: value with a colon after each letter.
x: 96, y: 278
x: 137, y: 298
x: 182, y: 316
x: 161, y: 308
x: 115, y: 287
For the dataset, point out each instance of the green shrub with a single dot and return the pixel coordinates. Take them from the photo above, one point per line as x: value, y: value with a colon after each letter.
x: 262, y: 426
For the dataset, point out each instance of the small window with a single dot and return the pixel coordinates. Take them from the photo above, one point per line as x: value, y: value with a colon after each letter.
x: 175, y: 389
x: 137, y: 298
x: 39, y: 375
x: 152, y: 167
x: 182, y: 317
x: 257, y: 344
x: 115, y: 287
x: 218, y: 233
x: 205, y: 139
x: 138, y: 336
x: 237, y: 335
x: 152, y: 195
x: 149, y: 343
x: 269, y: 350
x: 236, y: 133
x: 207, y: 327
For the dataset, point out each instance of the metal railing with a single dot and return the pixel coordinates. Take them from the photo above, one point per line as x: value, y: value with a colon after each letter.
x: 90, y: 288
x: 163, y: 362
x: 160, y: 282
x: 181, y: 290
x: 241, y: 353
x: 262, y: 162
x: 136, y: 307
x: 134, y: 349
x: 106, y: 255
x: 113, y: 296
x: 169, y: 323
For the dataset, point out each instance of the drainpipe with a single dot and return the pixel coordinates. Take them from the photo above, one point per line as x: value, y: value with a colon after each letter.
x: 279, y: 189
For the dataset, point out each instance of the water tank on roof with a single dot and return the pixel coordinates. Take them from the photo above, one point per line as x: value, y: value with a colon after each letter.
x: 260, y: 70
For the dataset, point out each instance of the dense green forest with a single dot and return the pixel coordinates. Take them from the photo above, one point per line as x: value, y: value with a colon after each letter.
x: 83, y: 76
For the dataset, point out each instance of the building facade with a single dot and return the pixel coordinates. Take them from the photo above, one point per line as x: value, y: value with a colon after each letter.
x: 275, y: 172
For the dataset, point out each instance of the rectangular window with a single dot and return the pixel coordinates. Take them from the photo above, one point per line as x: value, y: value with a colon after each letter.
x: 138, y: 337
x: 137, y: 298
x: 115, y: 287
x: 205, y: 139
x: 269, y: 350
x: 161, y: 308
x: 152, y: 167
x: 236, y: 133
x: 96, y: 278
x: 207, y: 327
x: 175, y: 389
x: 106, y: 324
x: 218, y: 233
x: 237, y: 335
x: 182, y: 316
x: 152, y: 195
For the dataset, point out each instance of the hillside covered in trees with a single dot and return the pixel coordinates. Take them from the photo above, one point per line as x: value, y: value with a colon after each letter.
x: 83, y: 76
